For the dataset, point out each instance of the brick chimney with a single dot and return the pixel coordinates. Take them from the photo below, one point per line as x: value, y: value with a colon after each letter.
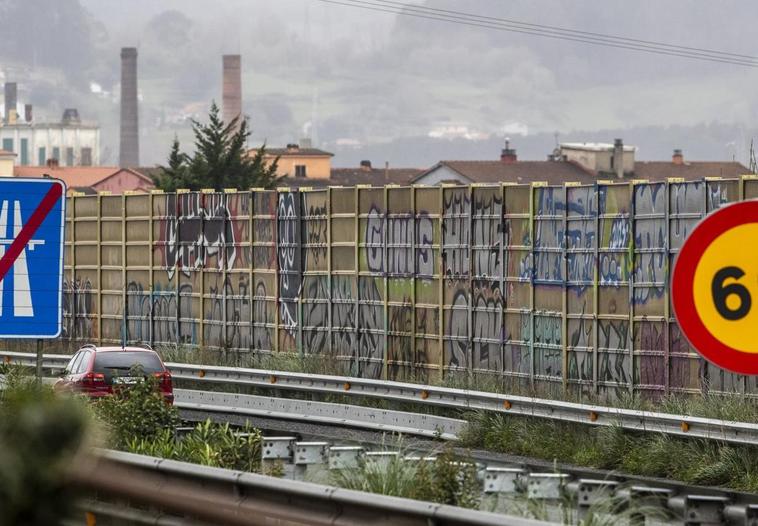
x: 129, y: 132
x: 618, y: 158
x: 293, y: 147
x: 365, y: 166
x: 508, y: 154
x: 677, y: 158
x: 231, y: 96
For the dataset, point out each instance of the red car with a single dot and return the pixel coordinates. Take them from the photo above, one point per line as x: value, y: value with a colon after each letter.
x: 93, y: 371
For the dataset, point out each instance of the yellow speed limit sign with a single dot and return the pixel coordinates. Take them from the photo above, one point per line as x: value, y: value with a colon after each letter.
x: 714, y: 285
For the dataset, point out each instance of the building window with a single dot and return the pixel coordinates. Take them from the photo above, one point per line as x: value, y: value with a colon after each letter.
x: 300, y: 170
x: 69, y: 157
x: 41, y: 156
x: 24, y: 152
x: 86, y: 157
x: 57, y: 153
x: 8, y: 145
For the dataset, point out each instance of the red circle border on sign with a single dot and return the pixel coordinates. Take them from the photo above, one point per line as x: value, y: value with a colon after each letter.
x: 682, y: 296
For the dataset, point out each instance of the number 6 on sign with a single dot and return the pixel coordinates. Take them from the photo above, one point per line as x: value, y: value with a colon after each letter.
x: 714, y: 281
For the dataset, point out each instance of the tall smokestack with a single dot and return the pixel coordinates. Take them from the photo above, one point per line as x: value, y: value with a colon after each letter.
x: 231, y: 101
x: 129, y: 148
x: 11, y: 98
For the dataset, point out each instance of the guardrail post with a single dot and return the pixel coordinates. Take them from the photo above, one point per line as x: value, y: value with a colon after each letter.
x: 700, y: 510
x: 504, y: 480
x: 311, y: 459
x: 277, y: 451
x: 639, y: 497
x: 345, y: 457
x: 546, y: 486
x: 742, y: 515
x: 589, y: 492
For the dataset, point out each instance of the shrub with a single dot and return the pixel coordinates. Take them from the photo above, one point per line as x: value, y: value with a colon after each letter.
x: 138, y: 411
x: 209, y: 444
x: 39, y: 435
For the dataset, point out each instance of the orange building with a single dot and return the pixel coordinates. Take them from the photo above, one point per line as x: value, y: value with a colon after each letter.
x: 300, y: 162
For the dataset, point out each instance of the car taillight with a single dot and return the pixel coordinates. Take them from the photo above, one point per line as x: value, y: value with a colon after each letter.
x: 164, y: 379
x: 93, y: 379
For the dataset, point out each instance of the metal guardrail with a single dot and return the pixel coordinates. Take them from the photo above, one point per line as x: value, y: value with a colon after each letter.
x: 320, y: 412
x: 633, y: 420
x: 238, y: 498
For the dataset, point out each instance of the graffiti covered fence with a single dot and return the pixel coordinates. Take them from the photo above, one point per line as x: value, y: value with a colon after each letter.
x: 553, y: 285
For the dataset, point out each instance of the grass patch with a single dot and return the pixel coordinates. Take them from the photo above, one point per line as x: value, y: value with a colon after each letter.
x: 448, y: 479
x: 693, y: 461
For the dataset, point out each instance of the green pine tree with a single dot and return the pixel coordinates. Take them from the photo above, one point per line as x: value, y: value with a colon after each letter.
x: 220, y: 160
x: 176, y: 174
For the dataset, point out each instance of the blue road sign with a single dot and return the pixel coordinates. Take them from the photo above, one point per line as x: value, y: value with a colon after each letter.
x: 31, y: 257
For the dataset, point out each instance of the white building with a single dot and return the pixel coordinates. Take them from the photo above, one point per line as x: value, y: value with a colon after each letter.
x: 612, y: 160
x: 70, y: 142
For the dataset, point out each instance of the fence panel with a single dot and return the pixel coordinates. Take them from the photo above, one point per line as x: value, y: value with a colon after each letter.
x: 136, y: 231
x: 428, y: 283
x: 456, y: 267
x: 518, y: 343
x: 549, y: 204
x: 581, y: 257
x: 264, y: 290
x: 315, y: 293
x: 650, y: 293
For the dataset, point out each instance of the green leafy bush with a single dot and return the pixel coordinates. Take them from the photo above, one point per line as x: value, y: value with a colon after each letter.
x: 209, y: 444
x: 40, y: 433
x: 138, y: 411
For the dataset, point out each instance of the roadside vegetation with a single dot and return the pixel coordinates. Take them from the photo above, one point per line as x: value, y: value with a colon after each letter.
x: 138, y: 420
x: 443, y: 476
x: 691, y: 460
x: 40, y: 436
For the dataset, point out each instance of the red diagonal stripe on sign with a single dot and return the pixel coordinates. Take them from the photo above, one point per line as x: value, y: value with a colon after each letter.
x: 31, y: 226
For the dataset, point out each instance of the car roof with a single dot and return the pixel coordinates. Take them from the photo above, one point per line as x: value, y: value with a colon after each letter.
x: 115, y: 349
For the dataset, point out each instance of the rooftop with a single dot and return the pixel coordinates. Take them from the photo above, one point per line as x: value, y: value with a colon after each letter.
x: 661, y: 170
x: 552, y: 172
x: 75, y: 176
x: 294, y: 152
x: 594, y: 146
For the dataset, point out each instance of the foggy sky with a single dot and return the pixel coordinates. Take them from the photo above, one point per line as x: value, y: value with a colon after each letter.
x: 398, y: 89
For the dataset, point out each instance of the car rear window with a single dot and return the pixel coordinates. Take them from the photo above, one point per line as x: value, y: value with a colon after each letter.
x: 119, y: 363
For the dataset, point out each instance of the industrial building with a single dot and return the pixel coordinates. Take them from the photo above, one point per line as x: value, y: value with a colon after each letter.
x: 70, y: 141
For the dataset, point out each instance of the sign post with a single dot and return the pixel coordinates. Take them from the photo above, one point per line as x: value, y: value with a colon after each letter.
x: 32, y: 221
x: 714, y: 288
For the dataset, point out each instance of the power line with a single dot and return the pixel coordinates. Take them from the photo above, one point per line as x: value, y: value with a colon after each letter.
x: 574, y: 31
x: 471, y: 20
x: 424, y: 13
